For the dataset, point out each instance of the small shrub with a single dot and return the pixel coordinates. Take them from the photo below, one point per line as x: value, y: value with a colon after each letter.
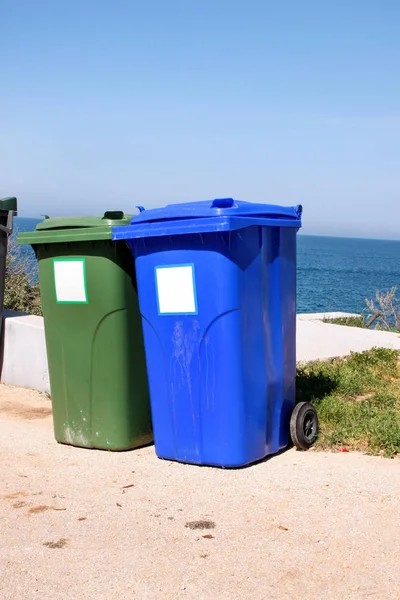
x: 382, y: 312
x: 387, y: 306
x: 20, y: 293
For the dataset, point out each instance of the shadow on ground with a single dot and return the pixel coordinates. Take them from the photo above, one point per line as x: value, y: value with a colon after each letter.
x: 312, y: 386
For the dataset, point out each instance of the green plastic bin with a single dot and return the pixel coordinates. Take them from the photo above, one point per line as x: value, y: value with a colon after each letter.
x: 8, y: 209
x: 93, y: 332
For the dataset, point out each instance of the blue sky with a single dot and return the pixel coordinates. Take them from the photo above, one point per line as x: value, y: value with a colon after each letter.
x: 109, y: 104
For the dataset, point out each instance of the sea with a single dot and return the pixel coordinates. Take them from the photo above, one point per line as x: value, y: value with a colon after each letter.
x: 333, y: 274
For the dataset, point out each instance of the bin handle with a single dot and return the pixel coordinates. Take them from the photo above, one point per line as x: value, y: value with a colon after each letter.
x: 223, y: 203
x: 8, y: 228
x: 140, y: 208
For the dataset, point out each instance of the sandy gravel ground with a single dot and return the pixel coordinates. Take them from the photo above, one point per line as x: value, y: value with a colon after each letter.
x: 82, y: 524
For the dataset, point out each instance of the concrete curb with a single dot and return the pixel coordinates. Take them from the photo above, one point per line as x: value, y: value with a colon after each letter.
x: 323, y: 341
x: 25, y: 356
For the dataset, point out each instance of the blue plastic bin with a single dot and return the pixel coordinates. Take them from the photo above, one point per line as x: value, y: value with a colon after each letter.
x: 217, y: 294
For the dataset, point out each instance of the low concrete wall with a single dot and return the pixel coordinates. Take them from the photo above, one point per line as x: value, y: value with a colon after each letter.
x: 24, y: 352
x: 25, y: 357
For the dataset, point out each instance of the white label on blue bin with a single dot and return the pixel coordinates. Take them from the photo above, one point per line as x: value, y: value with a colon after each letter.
x: 70, y: 280
x: 176, y: 290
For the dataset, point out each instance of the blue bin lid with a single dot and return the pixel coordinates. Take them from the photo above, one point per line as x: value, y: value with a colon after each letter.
x: 217, y: 208
x: 221, y: 214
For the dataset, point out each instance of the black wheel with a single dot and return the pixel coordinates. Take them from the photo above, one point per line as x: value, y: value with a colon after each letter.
x: 304, y: 425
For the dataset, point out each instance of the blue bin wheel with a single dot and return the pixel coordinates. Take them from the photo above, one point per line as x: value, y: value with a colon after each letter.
x: 304, y: 425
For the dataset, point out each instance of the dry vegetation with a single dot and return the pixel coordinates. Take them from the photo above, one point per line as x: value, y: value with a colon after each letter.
x: 21, y: 293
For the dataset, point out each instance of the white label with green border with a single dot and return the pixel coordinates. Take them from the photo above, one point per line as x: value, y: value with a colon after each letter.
x: 70, y: 280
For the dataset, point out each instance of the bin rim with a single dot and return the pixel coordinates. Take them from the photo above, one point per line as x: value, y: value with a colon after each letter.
x: 223, y: 214
x: 74, y: 229
x: 219, y: 207
x: 110, y: 219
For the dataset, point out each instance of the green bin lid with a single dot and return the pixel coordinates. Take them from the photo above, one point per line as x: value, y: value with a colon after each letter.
x: 9, y: 204
x: 75, y: 229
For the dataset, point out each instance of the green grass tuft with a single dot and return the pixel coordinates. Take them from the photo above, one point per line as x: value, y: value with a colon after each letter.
x: 347, y: 321
x: 357, y: 399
